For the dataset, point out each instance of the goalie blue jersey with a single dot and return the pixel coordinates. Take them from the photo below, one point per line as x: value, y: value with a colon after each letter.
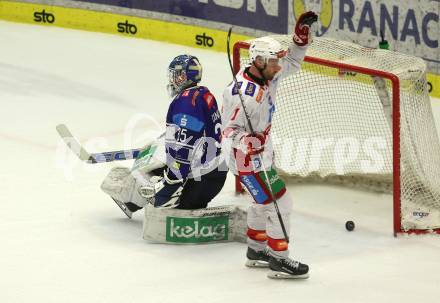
x: 193, y: 134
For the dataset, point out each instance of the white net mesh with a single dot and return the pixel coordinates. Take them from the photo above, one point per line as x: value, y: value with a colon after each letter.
x: 335, y: 125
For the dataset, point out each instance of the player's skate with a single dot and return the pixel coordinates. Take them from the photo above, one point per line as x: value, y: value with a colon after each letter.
x: 257, y: 258
x: 285, y: 268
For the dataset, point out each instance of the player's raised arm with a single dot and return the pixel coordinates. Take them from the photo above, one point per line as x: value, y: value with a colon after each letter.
x: 301, y: 39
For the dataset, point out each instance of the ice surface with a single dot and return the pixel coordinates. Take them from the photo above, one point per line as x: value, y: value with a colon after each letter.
x: 63, y: 240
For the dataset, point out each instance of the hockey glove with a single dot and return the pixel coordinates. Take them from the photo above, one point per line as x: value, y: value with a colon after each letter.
x: 302, y: 34
x: 148, y: 189
x: 253, y: 144
x: 167, y: 192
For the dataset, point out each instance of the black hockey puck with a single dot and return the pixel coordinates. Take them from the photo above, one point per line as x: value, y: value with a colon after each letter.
x: 349, y: 225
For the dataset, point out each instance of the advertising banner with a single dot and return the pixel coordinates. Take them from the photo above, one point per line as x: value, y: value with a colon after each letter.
x: 106, y: 22
x: 411, y: 27
x: 265, y: 15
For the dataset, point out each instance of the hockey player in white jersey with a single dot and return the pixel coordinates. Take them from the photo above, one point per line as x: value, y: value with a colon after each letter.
x: 250, y: 147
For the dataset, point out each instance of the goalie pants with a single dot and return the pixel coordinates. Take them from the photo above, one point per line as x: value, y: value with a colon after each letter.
x: 197, y: 194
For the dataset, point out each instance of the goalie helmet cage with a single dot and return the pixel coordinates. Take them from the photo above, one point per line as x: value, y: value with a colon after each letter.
x: 362, y: 117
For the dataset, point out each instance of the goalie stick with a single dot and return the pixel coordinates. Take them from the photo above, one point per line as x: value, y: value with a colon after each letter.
x: 93, y: 158
x: 272, y: 196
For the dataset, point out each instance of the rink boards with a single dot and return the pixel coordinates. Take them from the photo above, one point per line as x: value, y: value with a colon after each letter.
x: 129, y: 26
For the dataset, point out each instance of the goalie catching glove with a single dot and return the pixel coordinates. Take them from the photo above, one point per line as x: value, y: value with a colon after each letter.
x: 301, y: 35
x: 165, y: 192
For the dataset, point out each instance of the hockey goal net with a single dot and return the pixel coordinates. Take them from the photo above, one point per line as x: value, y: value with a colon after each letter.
x: 360, y: 116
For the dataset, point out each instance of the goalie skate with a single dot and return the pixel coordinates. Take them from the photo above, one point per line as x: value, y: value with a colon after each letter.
x: 124, y: 208
x: 259, y: 259
x: 285, y: 268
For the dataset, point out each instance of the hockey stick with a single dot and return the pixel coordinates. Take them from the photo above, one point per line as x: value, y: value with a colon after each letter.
x: 103, y: 157
x: 272, y: 196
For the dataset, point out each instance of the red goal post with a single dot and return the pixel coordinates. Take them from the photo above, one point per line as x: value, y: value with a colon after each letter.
x: 392, y: 87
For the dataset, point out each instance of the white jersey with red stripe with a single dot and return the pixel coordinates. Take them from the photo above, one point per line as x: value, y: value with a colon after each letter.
x: 260, y: 106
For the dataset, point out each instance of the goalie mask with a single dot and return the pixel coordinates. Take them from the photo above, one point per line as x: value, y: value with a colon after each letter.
x: 183, y: 72
x: 267, y: 48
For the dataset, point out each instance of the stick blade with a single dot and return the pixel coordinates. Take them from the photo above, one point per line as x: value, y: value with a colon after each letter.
x: 72, y: 143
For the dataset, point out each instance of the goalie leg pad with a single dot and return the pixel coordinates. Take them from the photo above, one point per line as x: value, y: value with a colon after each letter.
x: 201, y: 226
